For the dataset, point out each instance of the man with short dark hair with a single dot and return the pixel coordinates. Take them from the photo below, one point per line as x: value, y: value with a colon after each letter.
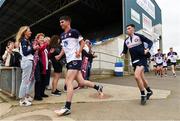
x: 172, y: 57
x: 73, y: 43
x: 135, y: 44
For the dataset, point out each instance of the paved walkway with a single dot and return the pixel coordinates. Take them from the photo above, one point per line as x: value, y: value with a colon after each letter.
x: 111, y: 93
x: 121, y: 101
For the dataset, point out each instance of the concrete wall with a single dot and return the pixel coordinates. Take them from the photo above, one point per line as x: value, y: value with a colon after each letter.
x: 107, y: 53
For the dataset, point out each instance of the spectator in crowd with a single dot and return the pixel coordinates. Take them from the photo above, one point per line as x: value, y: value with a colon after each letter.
x: 38, y: 69
x: 26, y: 51
x: 88, y: 55
x: 48, y: 74
x: 43, y: 54
x: 55, y: 49
x: 11, y: 57
x: 7, y: 55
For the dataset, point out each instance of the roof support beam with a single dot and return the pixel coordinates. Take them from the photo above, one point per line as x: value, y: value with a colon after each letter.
x: 64, y: 5
x: 41, y: 6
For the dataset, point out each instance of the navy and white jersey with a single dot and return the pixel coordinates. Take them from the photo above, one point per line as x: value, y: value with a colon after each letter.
x: 158, y: 58
x: 26, y: 50
x: 172, y: 56
x: 165, y: 63
x: 70, y: 44
x: 135, y: 44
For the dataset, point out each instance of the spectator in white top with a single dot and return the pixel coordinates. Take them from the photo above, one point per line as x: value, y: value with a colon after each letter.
x: 7, y: 55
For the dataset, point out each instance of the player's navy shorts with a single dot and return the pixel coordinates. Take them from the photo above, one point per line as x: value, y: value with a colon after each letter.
x: 74, y: 65
x: 141, y: 62
x: 159, y: 64
x: 173, y: 63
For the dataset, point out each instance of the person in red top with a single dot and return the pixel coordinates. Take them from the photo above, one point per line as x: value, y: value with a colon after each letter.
x: 43, y: 54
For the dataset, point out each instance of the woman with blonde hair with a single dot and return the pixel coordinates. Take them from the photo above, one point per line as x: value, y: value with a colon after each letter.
x: 26, y: 51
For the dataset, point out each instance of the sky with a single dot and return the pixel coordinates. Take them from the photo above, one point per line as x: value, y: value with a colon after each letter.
x: 170, y: 24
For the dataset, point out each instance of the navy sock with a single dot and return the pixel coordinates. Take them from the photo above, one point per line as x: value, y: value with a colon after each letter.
x: 68, y: 105
x: 148, y: 89
x: 142, y: 92
x: 96, y: 87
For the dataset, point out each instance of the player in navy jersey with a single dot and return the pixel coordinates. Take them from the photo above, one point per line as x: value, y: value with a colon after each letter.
x: 158, y: 57
x: 135, y: 44
x: 73, y: 44
x: 172, y: 57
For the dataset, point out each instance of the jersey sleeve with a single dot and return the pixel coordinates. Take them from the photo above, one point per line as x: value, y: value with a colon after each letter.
x: 125, y: 48
x: 146, y: 40
x: 168, y: 54
x: 78, y: 35
x: 25, y: 49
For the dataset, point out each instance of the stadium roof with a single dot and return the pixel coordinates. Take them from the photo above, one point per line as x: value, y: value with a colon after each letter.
x: 43, y: 15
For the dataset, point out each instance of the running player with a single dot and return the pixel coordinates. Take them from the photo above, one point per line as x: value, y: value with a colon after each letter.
x: 165, y: 65
x: 135, y: 44
x: 154, y: 65
x: 159, y: 62
x: 172, y: 56
x: 73, y: 43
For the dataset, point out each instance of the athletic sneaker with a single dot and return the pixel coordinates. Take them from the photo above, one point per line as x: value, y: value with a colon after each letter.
x: 100, y: 90
x: 56, y: 93
x: 29, y: 98
x: 58, y: 90
x: 174, y: 75
x: 25, y: 103
x: 63, y: 111
x: 143, y: 99
x: 45, y: 96
x: 48, y: 88
x: 149, y: 94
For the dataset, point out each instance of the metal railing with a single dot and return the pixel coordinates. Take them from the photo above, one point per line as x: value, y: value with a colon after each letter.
x: 110, y: 60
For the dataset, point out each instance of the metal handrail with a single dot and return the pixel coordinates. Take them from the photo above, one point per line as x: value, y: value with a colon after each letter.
x: 108, y: 55
x: 110, y: 62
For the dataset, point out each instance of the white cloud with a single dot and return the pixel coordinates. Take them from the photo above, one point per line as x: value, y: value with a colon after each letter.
x: 171, y: 24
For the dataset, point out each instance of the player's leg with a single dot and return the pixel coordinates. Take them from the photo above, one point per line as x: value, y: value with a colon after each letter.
x: 155, y: 70
x: 161, y: 70
x: 146, y: 85
x: 87, y: 83
x: 165, y: 71
x: 70, y: 76
x: 173, y: 69
x: 140, y: 84
x: 158, y: 70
